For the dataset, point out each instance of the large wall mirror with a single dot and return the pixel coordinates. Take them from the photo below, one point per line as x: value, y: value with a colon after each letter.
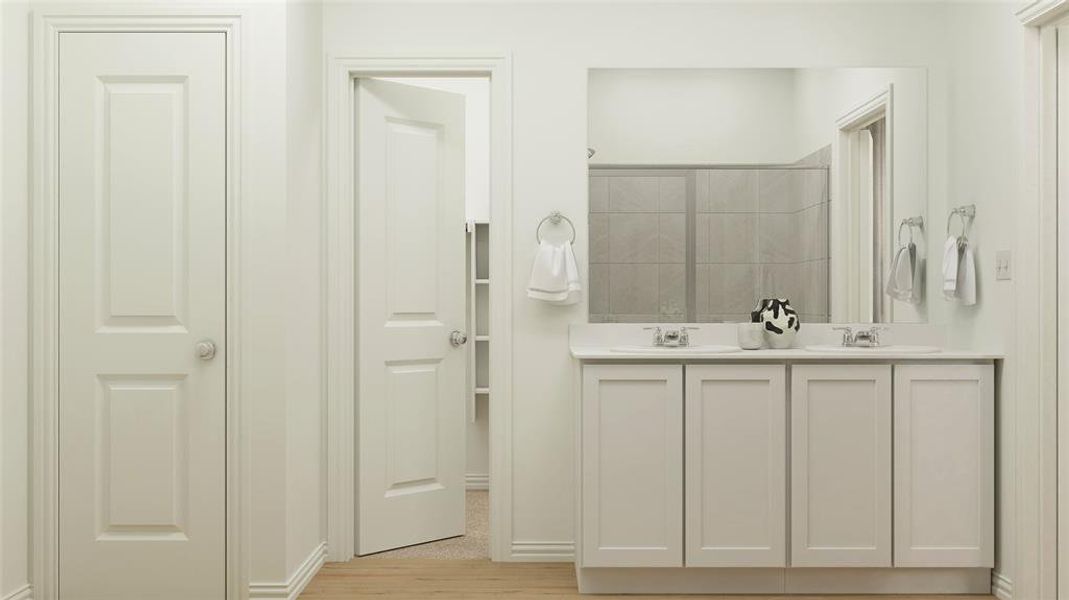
x: 711, y: 189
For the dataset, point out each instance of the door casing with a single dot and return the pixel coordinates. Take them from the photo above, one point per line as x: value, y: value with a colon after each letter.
x: 44, y: 384
x: 339, y: 291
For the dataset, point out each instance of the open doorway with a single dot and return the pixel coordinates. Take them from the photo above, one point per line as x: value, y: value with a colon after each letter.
x: 422, y: 444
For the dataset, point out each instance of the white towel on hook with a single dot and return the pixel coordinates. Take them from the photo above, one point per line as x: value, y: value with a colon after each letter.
x: 966, y: 292
x: 951, y: 258
x: 554, y: 274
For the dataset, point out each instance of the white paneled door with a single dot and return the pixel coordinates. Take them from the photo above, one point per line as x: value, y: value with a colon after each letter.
x: 411, y: 315
x: 142, y: 296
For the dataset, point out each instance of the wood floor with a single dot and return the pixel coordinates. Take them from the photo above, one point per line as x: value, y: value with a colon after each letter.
x: 463, y: 579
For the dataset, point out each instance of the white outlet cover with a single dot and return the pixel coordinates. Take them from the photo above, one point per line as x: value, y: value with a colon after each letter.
x: 1003, y: 265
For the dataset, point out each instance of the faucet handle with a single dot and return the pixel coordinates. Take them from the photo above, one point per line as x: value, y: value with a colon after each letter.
x: 684, y: 337
x: 658, y: 334
x: 848, y: 334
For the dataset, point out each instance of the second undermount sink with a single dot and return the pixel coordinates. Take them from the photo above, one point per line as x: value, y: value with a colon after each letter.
x: 706, y: 349
x: 888, y: 349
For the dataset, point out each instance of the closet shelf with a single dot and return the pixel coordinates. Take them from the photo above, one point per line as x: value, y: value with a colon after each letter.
x: 482, y: 282
x: 482, y: 338
x: 482, y: 391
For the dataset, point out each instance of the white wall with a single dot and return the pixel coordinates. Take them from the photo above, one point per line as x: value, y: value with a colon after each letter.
x: 686, y: 116
x: 552, y: 46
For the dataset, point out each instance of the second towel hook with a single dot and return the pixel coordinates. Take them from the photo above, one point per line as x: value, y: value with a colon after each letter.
x: 967, y: 213
x: 554, y: 218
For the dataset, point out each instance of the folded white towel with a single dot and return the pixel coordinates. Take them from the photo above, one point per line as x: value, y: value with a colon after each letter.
x: 950, y: 267
x: 554, y: 274
x: 966, y: 292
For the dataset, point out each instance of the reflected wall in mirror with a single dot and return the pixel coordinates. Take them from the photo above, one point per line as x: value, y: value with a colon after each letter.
x: 713, y: 188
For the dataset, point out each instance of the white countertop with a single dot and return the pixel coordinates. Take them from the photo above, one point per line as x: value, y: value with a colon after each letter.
x: 794, y: 354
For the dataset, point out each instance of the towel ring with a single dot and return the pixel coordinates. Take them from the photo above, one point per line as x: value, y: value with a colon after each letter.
x: 554, y: 218
x: 911, y: 222
x: 966, y: 213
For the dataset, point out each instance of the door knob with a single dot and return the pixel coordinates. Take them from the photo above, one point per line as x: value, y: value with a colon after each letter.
x: 205, y: 349
x: 457, y: 338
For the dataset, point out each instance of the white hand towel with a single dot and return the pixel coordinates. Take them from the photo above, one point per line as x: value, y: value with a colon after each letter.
x: 966, y: 292
x: 903, y: 283
x: 554, y: 274
x: 950, y: 267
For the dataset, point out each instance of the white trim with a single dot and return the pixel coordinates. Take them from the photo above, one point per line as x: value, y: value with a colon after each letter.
x: 291, y: 588
x: 843, y: 302
x: 1043, y: 12
x: 1001, y: 587
x: 23, y: 593
x: 543, y: 551
x: 1037, y: 419
x: 339, y: 303
x: 477, y: 481
x: 43, y: 305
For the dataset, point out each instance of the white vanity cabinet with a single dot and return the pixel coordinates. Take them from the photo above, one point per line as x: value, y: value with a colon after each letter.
x: 944, y: 486
x: 736, y: 462
x: 841, y: 465
x: 632, y: 466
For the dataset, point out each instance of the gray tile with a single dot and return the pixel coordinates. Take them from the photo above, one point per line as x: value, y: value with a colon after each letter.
x: 673, y: 194
x: 672, y: 289
x: 599, y: 238
x: 732, y: 238
x: 702, y: 282
x: 816, y: 287
x: 634, y: 194
x: 598, y: 197
x: 813, y: 232
x: 633, y: 238
x: 779, y: 281
x: 731, y: 318
x: 627, y: 318
x: 728, y: 190
x: 701, y: 237
x: 633, y: 289
x: 672, y: 238
x: 777, y: 238
x: 780, y: 190
x: 731, y: 289
x: 599, y: 289
x: 814, y: 187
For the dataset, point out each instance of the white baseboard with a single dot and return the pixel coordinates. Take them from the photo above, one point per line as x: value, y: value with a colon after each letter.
x: 543, y: 551
x: 293, y: 587
x: 477, y: 481
x: 1001, y: 586
x: 23, y: 593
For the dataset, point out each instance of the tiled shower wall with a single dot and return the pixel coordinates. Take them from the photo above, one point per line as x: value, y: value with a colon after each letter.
x: 638, y: 246
x: 757, y: 233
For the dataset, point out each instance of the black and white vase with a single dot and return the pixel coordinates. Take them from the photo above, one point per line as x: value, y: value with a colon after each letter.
x: 780, y: 321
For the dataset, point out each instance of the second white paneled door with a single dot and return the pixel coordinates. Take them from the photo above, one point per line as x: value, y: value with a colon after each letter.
x: 736, y: 466
x: 411, y: 379
x: 841, y: 465
x: 142, y: 297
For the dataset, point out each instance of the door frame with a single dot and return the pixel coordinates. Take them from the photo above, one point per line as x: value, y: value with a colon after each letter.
x: 1041, y: 425
x: 339, y: 283
x: 844, y: 284
x: 44, y: 274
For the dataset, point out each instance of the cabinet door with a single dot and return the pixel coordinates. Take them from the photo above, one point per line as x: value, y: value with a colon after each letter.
x: 736, y: 466
x: 841, y: 466
x: 632, y: 466
x: 944, y: 466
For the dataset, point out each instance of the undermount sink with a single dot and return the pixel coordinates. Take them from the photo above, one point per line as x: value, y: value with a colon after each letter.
x: 889, y: 349
x: 709, y: 349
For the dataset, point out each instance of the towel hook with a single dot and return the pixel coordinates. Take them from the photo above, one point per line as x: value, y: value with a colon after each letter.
x: 554, y: 218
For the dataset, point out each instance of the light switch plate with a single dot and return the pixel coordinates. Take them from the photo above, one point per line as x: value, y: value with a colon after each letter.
x: 1003, y: 265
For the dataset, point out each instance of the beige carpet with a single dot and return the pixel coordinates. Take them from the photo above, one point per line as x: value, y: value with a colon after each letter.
x: 475, y: 543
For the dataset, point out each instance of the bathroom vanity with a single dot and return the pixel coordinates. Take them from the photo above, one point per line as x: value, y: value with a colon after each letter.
x: 826, y: 470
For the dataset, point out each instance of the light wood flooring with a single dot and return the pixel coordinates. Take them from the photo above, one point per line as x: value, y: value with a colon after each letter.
x: 463, y: 579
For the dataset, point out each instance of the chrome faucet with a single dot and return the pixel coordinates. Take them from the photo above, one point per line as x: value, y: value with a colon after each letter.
x: 669, y: 337
x: 862, y: 338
